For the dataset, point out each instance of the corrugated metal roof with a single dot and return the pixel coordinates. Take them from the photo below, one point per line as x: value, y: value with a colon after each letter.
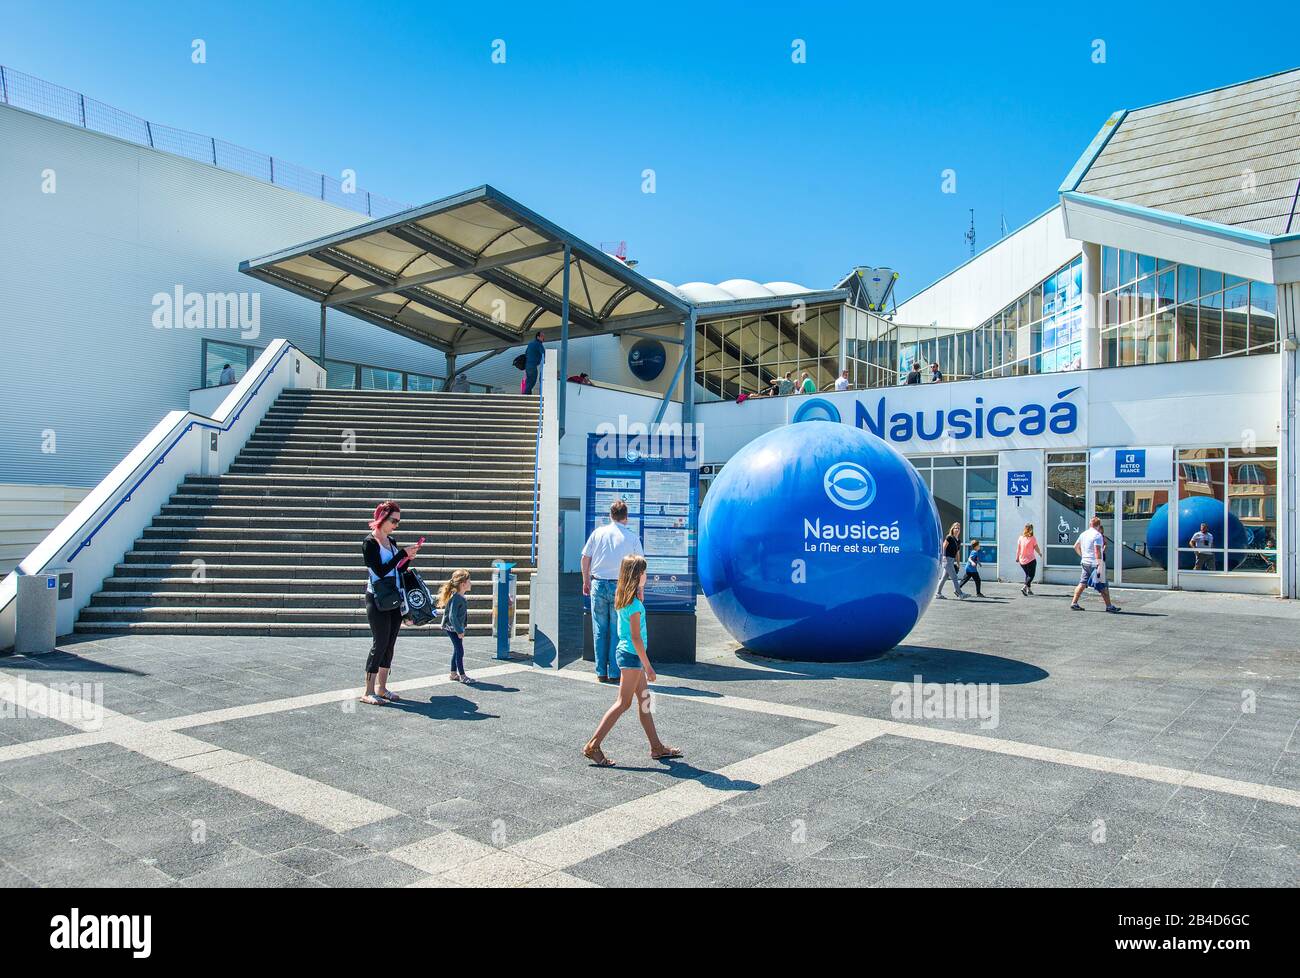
x: 1230, y: 156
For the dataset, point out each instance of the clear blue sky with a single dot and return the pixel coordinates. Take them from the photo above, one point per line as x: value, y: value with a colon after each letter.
x: 765, y: 169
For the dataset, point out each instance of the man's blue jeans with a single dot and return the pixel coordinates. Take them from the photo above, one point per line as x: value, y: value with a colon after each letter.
x: 604, y: 627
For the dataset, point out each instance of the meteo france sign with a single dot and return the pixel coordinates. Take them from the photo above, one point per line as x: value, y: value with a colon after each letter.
x: 1047, y: 411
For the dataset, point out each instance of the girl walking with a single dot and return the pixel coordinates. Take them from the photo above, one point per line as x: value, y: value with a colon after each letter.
x: 633, y: 661
x: 1027, y: 553
x: 382, y: 555
x: 455, y: 619
x: 973, y: 563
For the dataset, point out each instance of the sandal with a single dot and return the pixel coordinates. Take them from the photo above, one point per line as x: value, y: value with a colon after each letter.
x: 370, y: 699
x: 667, y: 754
x: 390, y: 696
x: 596, y: 756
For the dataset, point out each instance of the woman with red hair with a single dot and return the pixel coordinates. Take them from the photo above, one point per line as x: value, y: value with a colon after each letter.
x: 382, y: 556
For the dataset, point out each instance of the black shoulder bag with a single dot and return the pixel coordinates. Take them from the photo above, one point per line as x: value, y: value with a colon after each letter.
x: 388, y: 592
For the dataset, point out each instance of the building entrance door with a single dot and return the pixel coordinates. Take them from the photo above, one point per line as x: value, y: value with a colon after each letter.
x: 1136, y: 551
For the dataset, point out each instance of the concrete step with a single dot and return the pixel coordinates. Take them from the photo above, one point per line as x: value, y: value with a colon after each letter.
x: 384, y: 417
x: 479, y: 604
x: 370, y: 457
x: 215, y: 615
x: 442, y: 539
x: 271, y: 629
x: 431, y: 442
x: 417, y: 522
x: 382, y: 486
x: 292, y: 574
x: 521, y: 402
x: 348, y: 586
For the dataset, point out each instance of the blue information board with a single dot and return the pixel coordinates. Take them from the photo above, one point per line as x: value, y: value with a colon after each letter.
x: 1020, y: 483
x: 659, y: 479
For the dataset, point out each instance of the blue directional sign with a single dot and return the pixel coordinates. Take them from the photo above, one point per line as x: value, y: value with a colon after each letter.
x: 1020, y: 483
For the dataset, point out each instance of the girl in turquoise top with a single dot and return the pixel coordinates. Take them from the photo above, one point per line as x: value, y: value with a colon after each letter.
x: 634, y: 665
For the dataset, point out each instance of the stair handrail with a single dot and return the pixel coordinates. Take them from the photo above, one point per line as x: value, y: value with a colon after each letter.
x: 537, y: 461
x: 198, y: 422
x: 177, y: 423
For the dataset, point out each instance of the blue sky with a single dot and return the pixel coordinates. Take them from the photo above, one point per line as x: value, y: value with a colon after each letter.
x: 764, y: 168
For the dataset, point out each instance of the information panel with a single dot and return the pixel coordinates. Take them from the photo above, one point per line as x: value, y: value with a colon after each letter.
x: 659, y: 480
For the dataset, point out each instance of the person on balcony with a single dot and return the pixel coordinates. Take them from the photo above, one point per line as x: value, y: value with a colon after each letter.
x: 534, y: 353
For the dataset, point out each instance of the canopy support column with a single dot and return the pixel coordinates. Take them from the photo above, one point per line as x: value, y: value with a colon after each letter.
x: 322, y: 334
x: 451, y: 371
x: 562, y: 380
x: 687, y: 357
x: 688, y: 381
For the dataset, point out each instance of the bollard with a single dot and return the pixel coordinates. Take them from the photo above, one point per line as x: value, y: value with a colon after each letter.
x: 504, y: 604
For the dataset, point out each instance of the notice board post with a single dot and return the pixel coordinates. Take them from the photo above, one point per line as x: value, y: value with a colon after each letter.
x: 658, y: 477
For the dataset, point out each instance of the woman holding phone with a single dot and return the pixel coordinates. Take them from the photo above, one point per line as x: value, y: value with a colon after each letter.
x: 635, y: 671
x: 383, y: 559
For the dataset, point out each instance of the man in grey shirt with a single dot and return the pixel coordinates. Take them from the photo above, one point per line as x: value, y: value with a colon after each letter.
x: 1203, y: 543
x: 787, y: 384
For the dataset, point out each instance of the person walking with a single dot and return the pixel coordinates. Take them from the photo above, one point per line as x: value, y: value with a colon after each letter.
x: 1027, y: 553
x: 382, y: 557
x: 1202, y: 542
x: 951, y: 554
x: 602, y: 559
x: 635, y: 671
x: 973, y: 562
x: 1091, y: 548
x: 534, y: 353
x: 455, y: 619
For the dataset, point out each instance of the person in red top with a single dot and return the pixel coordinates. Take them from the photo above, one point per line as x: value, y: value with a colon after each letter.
x: 1027, y: 553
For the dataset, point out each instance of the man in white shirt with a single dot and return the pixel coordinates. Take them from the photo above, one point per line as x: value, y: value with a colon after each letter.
x: 1091, y: 548
x: 842, y: 381
x: 1203, y: 543
x: 602, y: 556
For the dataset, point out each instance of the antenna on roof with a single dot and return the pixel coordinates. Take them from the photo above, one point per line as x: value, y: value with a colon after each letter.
x: 619, y: 251
x: 970, y: 235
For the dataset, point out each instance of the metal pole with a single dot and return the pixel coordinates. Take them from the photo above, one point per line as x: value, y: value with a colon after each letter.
x: 564, y: 341
x: 451, y: 371
x: 688, y: 354
x: 322, y: 334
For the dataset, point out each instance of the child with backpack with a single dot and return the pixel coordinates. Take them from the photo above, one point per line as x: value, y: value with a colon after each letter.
x: 455, y: 619
x: 973, y: 567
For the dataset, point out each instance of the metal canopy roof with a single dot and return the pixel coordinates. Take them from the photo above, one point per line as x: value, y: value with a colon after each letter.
x: 475, y: 271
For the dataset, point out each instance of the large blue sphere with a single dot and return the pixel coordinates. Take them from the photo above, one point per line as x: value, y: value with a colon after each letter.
x: 1192, y: 512
x: 818, y: 543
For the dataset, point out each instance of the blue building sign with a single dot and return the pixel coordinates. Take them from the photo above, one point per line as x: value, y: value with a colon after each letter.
x: 1020, y: 483
x: 1131, y: 463
x: 659, y: 479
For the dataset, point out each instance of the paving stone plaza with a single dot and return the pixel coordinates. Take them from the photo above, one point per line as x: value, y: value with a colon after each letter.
x: 1153, y: 748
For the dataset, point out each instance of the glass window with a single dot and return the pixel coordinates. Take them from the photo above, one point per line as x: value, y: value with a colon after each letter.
x: 1211, y: 281
x: 217, y: 354
x: 1066, y: 508
x: 340, y: 375
x: 376, y: 378
x: 1188, y: 287
x: 1263, y: 318
x: 1127, y: 267
x: 1146, y: 265
x: 1211, y: 332
x: 1185, y: 329
x: 419, y: 382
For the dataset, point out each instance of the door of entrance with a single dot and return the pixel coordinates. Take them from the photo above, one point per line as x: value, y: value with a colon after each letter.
x: 1126, y: 521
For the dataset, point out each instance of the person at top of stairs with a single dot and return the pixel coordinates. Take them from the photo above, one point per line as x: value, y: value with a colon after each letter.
x: 383, y: 558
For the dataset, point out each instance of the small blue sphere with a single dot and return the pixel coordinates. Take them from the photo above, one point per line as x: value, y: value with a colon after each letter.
x: 1192, y: 512
x: 818, y: 543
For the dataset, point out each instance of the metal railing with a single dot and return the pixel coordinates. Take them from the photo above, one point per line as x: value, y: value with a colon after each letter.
x: 24, y: 91
x: 537, y: 461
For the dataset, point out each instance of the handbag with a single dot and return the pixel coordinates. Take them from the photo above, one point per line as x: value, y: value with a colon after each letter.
x: 388, y: 596
x: 420, y: 608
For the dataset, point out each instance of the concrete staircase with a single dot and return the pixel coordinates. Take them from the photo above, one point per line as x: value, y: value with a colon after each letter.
x: 273, y: 547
